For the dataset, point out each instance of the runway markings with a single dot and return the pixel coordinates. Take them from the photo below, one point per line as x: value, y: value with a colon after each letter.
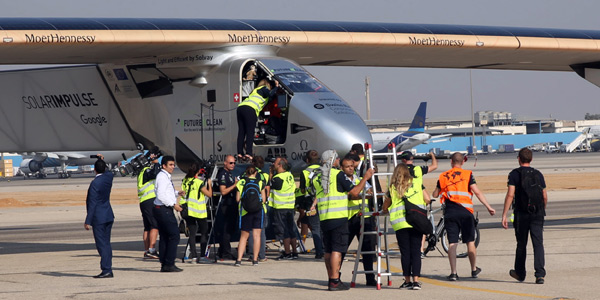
x: 455, y: 286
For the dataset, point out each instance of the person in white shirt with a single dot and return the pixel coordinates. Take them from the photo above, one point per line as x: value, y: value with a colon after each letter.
x: 164, y: 204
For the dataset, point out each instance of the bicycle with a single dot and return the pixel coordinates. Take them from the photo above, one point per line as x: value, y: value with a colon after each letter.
x: 439, y: 232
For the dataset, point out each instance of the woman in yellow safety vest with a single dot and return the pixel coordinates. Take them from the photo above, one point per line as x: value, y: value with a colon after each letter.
x: 247, y: 115
x: 250, y: 221
x: 196, y: 192
x: 402, y: 189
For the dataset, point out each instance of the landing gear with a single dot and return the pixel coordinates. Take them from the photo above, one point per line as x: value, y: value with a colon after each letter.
x: 62, y: 172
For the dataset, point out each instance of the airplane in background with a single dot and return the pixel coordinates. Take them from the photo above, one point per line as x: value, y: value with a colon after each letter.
x: 176, y: 83
x: 33, y: 164
x: 414, y: 136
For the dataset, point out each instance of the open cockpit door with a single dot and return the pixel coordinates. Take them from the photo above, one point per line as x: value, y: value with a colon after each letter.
x: 273, y: 119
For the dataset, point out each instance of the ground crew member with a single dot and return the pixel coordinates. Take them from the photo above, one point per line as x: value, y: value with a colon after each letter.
x: 332, y: 190
x: 403, y: 188
x: 282, y: 190
x: 259, y: 162
x: 417, y: 174
x: 354, y: 210
x: 456, y: 188
x: 146, y: 194
x: 250, y: 221
x: 311, y: 217
x: 196, y: 189
x: 247, y: 115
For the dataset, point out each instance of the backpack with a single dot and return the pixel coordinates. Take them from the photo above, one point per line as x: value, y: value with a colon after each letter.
x: 531, y: 188
x: 251, y: 197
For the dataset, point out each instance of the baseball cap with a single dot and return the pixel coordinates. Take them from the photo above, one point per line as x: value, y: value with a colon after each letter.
x: 406, y: 155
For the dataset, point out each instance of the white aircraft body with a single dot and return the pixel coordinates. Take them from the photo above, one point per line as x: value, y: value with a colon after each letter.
x: 33, y: 164
x: 176, y: 83
x: 414, y: 136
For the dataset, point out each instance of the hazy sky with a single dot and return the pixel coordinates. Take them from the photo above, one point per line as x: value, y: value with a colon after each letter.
x: 395, y: 92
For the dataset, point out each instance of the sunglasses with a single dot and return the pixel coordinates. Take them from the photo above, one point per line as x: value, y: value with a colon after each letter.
x: 231, y: 162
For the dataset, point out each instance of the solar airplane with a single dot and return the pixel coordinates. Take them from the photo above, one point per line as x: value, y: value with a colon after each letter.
x: 176, y: 83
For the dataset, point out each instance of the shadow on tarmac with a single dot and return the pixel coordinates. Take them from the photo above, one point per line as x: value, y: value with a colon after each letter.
x: 19, y: 248
x: 552, y: 222
x: 297, y: 283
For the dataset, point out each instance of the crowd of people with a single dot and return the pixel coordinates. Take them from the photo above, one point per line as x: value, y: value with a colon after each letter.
x: 329, y: 203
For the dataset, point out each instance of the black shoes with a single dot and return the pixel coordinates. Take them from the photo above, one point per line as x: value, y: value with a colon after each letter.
x: 150, y: 255
x: 319, y: 256
x: 227, y: 256
x: 476, y: 272
x: 284, y: 256
x: 539, y: 280
x: 514, y: 275
x: 110, y: 275
x: 371, y: 282
x: 172, y: 268
x: 453, y: 277
x: 340, y: 286
x: 406, y: 285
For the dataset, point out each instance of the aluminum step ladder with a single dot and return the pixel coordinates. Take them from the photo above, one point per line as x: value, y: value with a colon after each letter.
x: 382, y: 250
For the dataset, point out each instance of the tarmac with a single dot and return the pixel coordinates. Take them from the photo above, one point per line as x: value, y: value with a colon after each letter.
x: 46, y: 254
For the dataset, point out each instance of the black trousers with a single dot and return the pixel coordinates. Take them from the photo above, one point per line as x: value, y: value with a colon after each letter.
x: 529, y: 224
x: 196, y: 225
x: 246, y: 118
x: 227, y: 225
x: 168, y: 229
x: 409, y: 241
x: 368, y: 242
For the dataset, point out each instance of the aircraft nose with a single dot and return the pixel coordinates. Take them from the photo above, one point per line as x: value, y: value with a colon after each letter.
x: 335, y: 125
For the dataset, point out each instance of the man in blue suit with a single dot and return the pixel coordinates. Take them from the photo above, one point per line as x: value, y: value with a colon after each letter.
x: 100, y: 215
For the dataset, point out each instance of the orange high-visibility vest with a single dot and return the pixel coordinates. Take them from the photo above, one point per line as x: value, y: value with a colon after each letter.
x: 454, y: 186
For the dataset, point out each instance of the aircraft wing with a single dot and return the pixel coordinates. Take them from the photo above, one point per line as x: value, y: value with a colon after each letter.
x: 60, y: 108
x: 181, y: 41
x: 438, y: 138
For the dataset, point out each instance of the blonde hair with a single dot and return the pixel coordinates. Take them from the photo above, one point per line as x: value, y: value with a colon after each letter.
x: 401, y: 179
x: 265, y: 83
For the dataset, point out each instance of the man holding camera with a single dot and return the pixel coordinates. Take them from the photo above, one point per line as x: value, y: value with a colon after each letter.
x: 145, y: 186
x: 100, y: 215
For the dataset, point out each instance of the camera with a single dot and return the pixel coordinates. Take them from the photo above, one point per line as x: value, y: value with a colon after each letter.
x: 208, y: 169
x: 138, y: 163
x: 95, y: 156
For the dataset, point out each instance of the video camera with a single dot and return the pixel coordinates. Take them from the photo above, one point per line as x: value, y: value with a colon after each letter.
x: 208, y: 169
x: 138, y: 163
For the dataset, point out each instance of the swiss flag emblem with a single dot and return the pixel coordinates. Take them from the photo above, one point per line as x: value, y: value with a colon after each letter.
x: 236, y: 97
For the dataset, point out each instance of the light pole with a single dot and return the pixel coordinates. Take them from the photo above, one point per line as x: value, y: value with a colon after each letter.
x: 472, y: 115
x: 368, y: 99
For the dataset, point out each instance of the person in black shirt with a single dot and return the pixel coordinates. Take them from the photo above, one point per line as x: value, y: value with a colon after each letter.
x: 226, y: 224
x: 527, y: 221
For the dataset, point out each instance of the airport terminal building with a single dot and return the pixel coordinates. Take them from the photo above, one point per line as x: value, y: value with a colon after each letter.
x: 502, y: 132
